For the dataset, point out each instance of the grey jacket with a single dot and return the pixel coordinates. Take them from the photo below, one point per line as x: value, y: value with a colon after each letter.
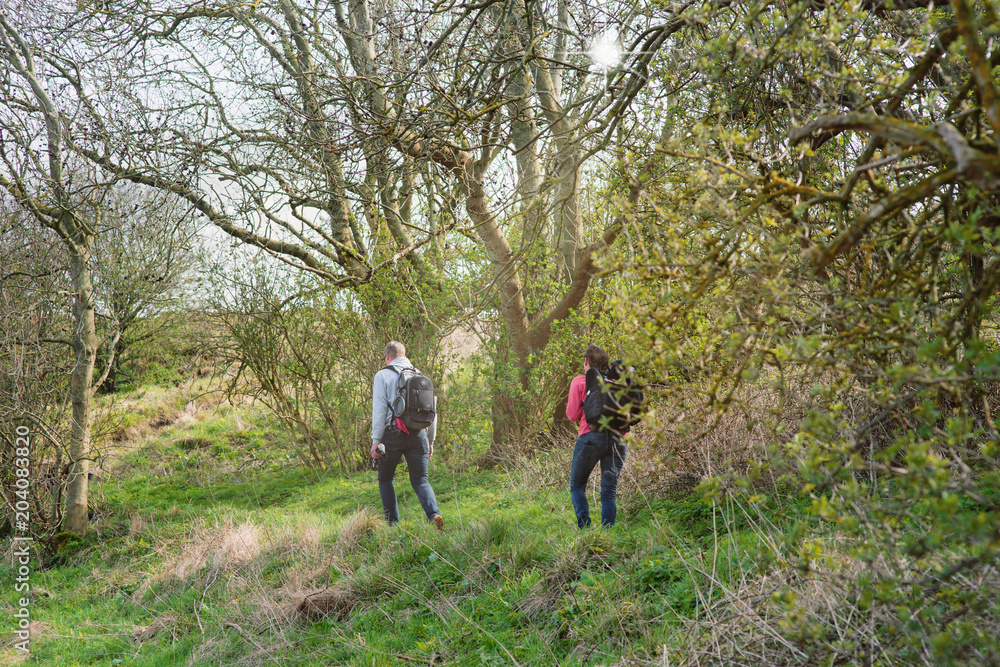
x: 384, y: 391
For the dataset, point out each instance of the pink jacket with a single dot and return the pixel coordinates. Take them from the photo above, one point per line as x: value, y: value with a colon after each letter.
x: 574, y: 405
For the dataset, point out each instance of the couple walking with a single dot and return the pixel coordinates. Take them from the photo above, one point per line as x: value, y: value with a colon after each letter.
x: 391, y: 444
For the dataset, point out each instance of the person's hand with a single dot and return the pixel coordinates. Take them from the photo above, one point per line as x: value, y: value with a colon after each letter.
x: 374, y: 450
x: 430, y: 451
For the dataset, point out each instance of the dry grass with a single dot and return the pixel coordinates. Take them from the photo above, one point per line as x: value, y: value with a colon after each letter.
x: 9, y: 655
x: 304, y: 537
x: 358, y: 527
x: 336, y: 601
x: 163, y: 623
x: 227, y: 547
x: 239, y: 551
x: 304, y: 597
x: 36, y: 629
x: 684, y: 441
x: 137, y: 525
x: 129, y: 419
x: 234, y: 547
x: 304, y: 600
x: 256, y: 650
x: 238, y: 546
x: 548, y: 469
x: 787, y: 618
x: 582, y: 552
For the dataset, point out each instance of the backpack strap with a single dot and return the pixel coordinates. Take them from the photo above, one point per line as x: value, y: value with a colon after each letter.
x: 593, y: 380
x: 399, y: 369
x: 399, y: 390
x: 392, y: 403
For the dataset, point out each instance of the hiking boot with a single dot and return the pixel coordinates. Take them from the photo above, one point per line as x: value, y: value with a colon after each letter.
x: 439, y: 522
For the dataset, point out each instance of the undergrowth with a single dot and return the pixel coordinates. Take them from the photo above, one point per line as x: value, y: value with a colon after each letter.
x: 211, y: 546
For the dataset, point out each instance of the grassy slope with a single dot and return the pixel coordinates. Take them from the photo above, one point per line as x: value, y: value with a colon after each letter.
x: 210, y: 537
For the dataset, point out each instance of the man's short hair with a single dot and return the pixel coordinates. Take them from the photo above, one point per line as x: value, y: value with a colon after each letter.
x: 597, y: 357
x: 395, y: 349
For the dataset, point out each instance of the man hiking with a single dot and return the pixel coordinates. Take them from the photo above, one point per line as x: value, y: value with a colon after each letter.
x: 593, y: 446
x: 389, y: 430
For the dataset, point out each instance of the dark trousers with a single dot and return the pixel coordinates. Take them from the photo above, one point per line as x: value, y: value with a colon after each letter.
x: 415, y: 451
x: 604, y: 448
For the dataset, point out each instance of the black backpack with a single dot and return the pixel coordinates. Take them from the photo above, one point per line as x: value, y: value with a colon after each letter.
x: 417, y: 393
x: 611, y: 403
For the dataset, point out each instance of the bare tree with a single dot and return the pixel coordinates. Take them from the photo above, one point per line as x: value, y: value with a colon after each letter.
x: 34, y: 370
x: 38, y: 171
x: 341, y: 138
x: 145, y: 256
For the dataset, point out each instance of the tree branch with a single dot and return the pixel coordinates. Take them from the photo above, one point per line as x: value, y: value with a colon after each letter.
x: 971, y: 163
x: 981, y: 69
x: 585, y: 271
x: 216, y: 217
x: 111, y: 361
x: 894, y: 202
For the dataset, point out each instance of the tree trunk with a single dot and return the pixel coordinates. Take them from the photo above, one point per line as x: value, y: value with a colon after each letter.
x: 85, y: 346
x: 524, y: 133
x: 79, y: 240
x: 568, y: 228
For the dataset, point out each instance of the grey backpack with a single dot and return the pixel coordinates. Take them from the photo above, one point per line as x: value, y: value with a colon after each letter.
x: 417, y: 394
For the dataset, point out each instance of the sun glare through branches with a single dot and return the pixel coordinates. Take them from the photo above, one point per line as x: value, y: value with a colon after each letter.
x: 605, y: 50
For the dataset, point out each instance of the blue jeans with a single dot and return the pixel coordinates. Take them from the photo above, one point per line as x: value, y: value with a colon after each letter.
x: 606, y: 448
x: 415, y: 450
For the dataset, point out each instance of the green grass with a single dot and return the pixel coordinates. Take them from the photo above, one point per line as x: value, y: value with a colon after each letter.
x: 211, y: 545
x: 207, y: 543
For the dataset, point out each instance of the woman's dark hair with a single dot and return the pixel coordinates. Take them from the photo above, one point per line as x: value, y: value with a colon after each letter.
x: 596, y: 357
